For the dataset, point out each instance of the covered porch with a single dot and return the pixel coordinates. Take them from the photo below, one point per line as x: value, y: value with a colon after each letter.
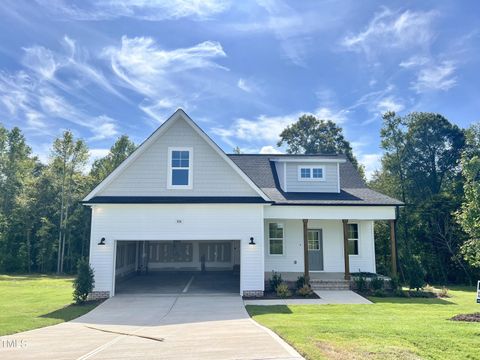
x: 324, y: 243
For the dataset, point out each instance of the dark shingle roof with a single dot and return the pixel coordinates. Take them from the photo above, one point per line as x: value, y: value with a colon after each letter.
x: 261, y: 170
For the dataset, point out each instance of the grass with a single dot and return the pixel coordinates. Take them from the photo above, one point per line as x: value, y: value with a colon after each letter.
x: 32, y: 301
x: 392, y: 328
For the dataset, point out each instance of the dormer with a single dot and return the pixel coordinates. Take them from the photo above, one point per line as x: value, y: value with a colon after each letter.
x: 309, y: 173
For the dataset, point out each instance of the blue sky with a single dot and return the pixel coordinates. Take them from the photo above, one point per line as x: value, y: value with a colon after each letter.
x: 242, y: 70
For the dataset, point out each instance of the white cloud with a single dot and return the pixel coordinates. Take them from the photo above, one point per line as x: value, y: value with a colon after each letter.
x: 243, y: 85
x: 268, y: 128
x: 153, y: 10
x: 148, y: 69
x: 40, y: 60
x: 390, y: 29
x: 269, y: 150
x: 436, y: 77
x: 105, y: 129
x: 414, y: 61
x: 389, y: 104
x: 371, y: 162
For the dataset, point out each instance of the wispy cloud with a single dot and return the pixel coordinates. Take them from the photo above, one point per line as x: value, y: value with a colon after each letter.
x: 169, y: 75
x: 389, y: 104
x: 153, y: 10
x: 243, y: 85
x: 391, y: 29
x: 147, y: 68
x: 436, y: 77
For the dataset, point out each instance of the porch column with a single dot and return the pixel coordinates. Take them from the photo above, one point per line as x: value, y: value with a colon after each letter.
x: 305, y: 251
x: 345, y: 249
x: 393, y: 243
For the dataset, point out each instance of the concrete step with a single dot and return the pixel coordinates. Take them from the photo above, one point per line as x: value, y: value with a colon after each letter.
x: 330, y: 284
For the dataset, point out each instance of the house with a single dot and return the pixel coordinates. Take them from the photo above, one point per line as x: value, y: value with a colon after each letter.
x: 179, y: 203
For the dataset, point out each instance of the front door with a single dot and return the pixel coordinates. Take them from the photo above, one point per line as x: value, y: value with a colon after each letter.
x: 315, y: 250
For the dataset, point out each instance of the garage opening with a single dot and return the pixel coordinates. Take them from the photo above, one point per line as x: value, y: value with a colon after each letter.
x: 174, y: 267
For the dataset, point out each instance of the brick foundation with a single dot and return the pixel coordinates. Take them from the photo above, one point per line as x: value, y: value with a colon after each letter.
x: 97, y: 295
x: 253, y: 293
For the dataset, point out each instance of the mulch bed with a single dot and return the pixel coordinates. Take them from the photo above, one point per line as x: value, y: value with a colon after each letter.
x: 475, y: 317
x: 267, y: 295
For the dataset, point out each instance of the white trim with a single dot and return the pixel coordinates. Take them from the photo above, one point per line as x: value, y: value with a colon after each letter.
x: 285, y: 176
x: 268, y: 238
x: 338, y: 177
x: 311, y: 178
x: 153, y: 137
x: 312, y: 160
x: 190, y: 168
x: 114, y: 267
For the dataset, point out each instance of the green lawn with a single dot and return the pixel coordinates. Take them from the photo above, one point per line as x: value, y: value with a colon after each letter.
x: 392, y: 328
x: 33, y: 301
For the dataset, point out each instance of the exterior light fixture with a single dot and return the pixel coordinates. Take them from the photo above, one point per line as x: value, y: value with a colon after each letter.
x: 252, y: 242
x: 102, y: 241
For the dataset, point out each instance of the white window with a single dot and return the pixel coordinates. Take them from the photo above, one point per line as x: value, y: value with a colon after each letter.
x: 275, y: 238
x: 352, y: 239
x: 180, y: 168
x: 311, y: 173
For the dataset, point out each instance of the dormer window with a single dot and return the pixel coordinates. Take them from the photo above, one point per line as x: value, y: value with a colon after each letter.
x: 180, y: 168
x: 311, y: 173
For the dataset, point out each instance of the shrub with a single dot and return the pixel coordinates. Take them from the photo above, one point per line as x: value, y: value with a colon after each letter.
x: 377, y: 283
x: 301, y: 282
x: 83, y: 284
x: 305, y: 291
x: 379, y: 293
x: 415, y: 273
x: 283, y: 291
x: 400, y: 293
x: 361, y: 283
x: 394, y: 283
x: 275, y: 280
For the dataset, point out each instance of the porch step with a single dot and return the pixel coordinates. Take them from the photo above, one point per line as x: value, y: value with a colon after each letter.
x: 330, y: 284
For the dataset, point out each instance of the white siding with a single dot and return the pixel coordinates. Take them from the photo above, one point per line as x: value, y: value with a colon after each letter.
x: 329, y: 185
x: 160, y: 222
x: 147, y: 175
x: 292, y: 259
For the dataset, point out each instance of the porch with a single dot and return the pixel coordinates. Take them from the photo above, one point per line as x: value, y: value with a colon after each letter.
x: 324, y: 244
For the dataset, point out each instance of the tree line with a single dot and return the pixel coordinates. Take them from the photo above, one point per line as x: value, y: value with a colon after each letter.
x: 43, y: 226
x: 429, y: 163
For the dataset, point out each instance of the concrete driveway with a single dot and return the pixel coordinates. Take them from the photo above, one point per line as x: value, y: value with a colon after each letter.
x: 155, y: 327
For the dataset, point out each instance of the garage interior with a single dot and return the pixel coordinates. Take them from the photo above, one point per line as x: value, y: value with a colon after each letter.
x: 177, y: 267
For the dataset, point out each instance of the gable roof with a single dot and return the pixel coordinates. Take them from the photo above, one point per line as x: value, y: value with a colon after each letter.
x: 179, y: 114
x: 353, y: 190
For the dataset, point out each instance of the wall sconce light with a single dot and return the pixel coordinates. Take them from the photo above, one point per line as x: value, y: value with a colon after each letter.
x: 252, y: 242
x: 102, y: 241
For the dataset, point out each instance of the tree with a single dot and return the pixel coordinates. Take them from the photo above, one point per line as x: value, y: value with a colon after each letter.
x: 16, y: 178
x: 421, y: 167
x: 69, y: 156
x: 310, y: 135
x: 122, y: 148
x: 469, y: 215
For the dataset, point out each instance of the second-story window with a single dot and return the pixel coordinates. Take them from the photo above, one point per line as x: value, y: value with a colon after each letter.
x: 180, y: 168
x: 311, y: 173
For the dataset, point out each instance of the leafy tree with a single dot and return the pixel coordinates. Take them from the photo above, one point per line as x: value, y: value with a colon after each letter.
x: 122, y: 148
x: 469, y: 214
x: 69, y: 157
x: 310, y: 135
x: 421, y: 167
